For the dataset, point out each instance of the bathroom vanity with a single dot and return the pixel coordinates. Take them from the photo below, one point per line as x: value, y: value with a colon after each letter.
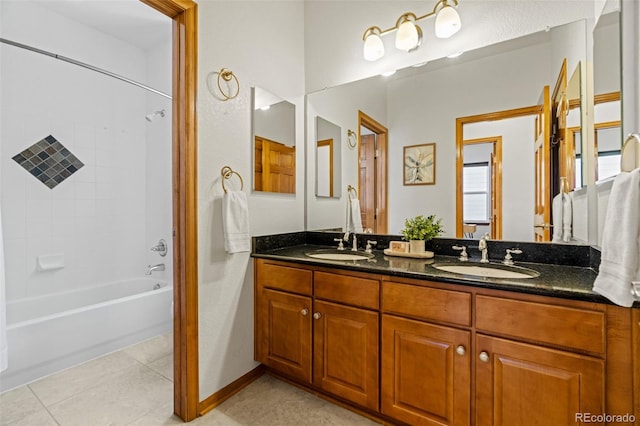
x: 405, y: 342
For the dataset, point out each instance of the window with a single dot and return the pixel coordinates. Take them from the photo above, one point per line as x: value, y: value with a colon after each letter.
x: 608, y: 164
x: 476, y: 189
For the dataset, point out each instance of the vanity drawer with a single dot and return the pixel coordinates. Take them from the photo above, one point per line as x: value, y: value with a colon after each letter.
x: 576, y: 328
x: 285, y: 278
x: 355, y: 291
x: 427, y: 303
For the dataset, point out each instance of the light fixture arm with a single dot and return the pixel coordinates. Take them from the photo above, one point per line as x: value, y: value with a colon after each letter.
x: 405, y: 15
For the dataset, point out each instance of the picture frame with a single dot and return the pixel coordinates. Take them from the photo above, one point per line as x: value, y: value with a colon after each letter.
x: 419, y: 164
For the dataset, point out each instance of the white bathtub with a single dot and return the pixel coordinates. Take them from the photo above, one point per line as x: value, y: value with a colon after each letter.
x: 50, y: 333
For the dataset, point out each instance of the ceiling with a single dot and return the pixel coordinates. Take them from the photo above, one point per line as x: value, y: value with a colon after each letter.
x: 128, y: 20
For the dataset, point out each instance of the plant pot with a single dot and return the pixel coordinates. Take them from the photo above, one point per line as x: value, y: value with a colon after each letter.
x: 416, y: 246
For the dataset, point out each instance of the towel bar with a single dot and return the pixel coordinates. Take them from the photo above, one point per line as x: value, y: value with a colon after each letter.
x: 227, y: 172
x: 628, y: 164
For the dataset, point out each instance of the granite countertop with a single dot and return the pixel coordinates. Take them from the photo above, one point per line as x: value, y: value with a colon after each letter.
x: 569, y: 282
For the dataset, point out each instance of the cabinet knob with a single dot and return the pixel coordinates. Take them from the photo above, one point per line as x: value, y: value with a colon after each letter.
x: 461, y: 350
x: 484, y: 356
x: 304, y: 312
x: 317, y: 315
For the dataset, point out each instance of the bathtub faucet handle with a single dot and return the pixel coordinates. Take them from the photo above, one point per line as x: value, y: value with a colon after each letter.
x: 161, y: 248
x: 158, y: 267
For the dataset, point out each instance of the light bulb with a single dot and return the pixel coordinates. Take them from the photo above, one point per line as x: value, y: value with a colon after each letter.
x: 409, y: 36
x: 373, y: 47
x: 447, y: 22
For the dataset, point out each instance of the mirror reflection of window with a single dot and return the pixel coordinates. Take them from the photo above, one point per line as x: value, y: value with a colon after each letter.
x: 328, y: 159
x: 273, y: 143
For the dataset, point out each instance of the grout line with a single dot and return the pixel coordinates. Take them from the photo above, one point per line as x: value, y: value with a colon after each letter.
x: 42, y: 404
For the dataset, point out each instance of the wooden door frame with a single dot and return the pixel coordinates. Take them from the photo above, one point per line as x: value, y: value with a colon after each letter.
x: 329, y: 143
x: 460, y: 122
x: 496, y: 193
x: 382, y: 138
x: 184, y: 14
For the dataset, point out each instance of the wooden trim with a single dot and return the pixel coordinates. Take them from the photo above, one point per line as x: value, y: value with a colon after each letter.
x: 607, y: 124
x: 231, y: 389
x: 381, y: 169
x: 329, y: 143
x: 185, y: 212
x: 606, y: 97
x: 460, y: 122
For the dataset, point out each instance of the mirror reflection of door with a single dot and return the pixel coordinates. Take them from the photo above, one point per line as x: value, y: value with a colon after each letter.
x: 372, y: 174
x: 324, y: 153
x: 542, y: 158
x: 482, y: 187
x: 274, y: 151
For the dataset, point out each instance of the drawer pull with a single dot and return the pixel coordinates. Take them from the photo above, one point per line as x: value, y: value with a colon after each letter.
x: 461, y: 350
x: 317, y: 315
x: 304, y: 312
x: 484, y: 356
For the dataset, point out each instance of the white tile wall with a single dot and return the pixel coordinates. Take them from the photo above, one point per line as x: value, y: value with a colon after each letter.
x: 98, y: 216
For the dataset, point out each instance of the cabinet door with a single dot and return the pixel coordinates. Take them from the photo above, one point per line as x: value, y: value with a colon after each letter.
x: 346, y: 352
x: 425, y: 372
x: 518, y: 383
x: 285, y: 330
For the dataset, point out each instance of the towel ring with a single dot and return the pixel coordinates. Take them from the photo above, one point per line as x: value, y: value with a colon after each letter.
x: 352, y: 189
x: 627, y: 165
x: 352, y: 138
x: 227, y: 172
x: 228, y: 75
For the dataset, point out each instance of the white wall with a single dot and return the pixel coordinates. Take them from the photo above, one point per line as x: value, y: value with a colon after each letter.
x: 100, y: 209
x: 335, y: 57
x: 263, y: 44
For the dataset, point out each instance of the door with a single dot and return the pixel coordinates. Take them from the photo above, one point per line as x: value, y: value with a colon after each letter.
x: 372, y: 177
x: 367, y: 181
x: 542, y: 158
x: 275, y: 166
x: 426, y: 372
x: 346, y: 352
x: 521, y: 384
x: 286, y: 333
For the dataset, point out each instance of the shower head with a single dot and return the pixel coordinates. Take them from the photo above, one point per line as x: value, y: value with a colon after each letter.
x: 153, y: 115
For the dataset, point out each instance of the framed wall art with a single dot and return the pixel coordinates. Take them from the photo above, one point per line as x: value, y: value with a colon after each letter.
x: 420, y: 164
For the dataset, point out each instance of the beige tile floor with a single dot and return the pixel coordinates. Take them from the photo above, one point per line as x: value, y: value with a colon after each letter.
x: 135, y: 387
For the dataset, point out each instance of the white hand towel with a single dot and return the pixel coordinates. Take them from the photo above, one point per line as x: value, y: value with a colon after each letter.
x: 567, y: 217
x: 556, y: 209
x: 235, y: 221
x: 354, y: 220
x: 620, y: 259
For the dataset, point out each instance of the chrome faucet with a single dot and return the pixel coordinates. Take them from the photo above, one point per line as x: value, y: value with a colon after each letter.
x: 354, y: 247
x: 158, y: 267
x: 484, y: 248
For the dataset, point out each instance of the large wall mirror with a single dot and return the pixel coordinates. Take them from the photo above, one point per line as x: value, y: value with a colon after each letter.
x: 421, y: 104
x: 274, y: 148
x: 328, y: 159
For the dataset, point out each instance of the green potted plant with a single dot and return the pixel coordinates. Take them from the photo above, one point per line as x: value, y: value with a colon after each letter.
x: 421, y: 229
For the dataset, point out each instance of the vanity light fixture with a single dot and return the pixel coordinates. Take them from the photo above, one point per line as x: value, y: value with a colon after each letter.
x: 409, y: 34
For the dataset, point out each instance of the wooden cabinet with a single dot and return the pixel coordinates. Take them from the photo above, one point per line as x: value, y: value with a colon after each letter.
x: 327, y: 336
x: 522, y: 384
x: 426, y: 372
x: 430, y: 353
x: 345, y: 353
x: 286, y: 333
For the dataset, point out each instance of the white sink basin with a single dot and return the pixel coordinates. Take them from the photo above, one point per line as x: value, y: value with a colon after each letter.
x: 330, y: 254
x: 489, y: 271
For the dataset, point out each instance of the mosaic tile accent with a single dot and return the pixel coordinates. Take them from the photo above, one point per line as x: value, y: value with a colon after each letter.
x: 49, y: 161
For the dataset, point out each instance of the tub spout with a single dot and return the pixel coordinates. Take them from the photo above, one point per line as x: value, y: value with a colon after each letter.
x: 158, y: 267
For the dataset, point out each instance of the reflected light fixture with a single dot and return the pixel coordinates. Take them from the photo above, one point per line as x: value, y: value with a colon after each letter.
x: 409, y: 34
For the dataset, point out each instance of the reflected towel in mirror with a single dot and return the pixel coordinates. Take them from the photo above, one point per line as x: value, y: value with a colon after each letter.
x: 354, y: 220
x: 620, y: 264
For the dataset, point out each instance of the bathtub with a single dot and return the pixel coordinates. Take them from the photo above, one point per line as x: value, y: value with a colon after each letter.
x: 54, y: 332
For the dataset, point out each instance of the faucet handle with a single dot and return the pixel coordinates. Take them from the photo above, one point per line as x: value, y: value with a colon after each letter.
x: 369, y: 244
x: 508, y: 260
x: 161, y: 248
x: 463, y: 254
x: 340, y: 244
